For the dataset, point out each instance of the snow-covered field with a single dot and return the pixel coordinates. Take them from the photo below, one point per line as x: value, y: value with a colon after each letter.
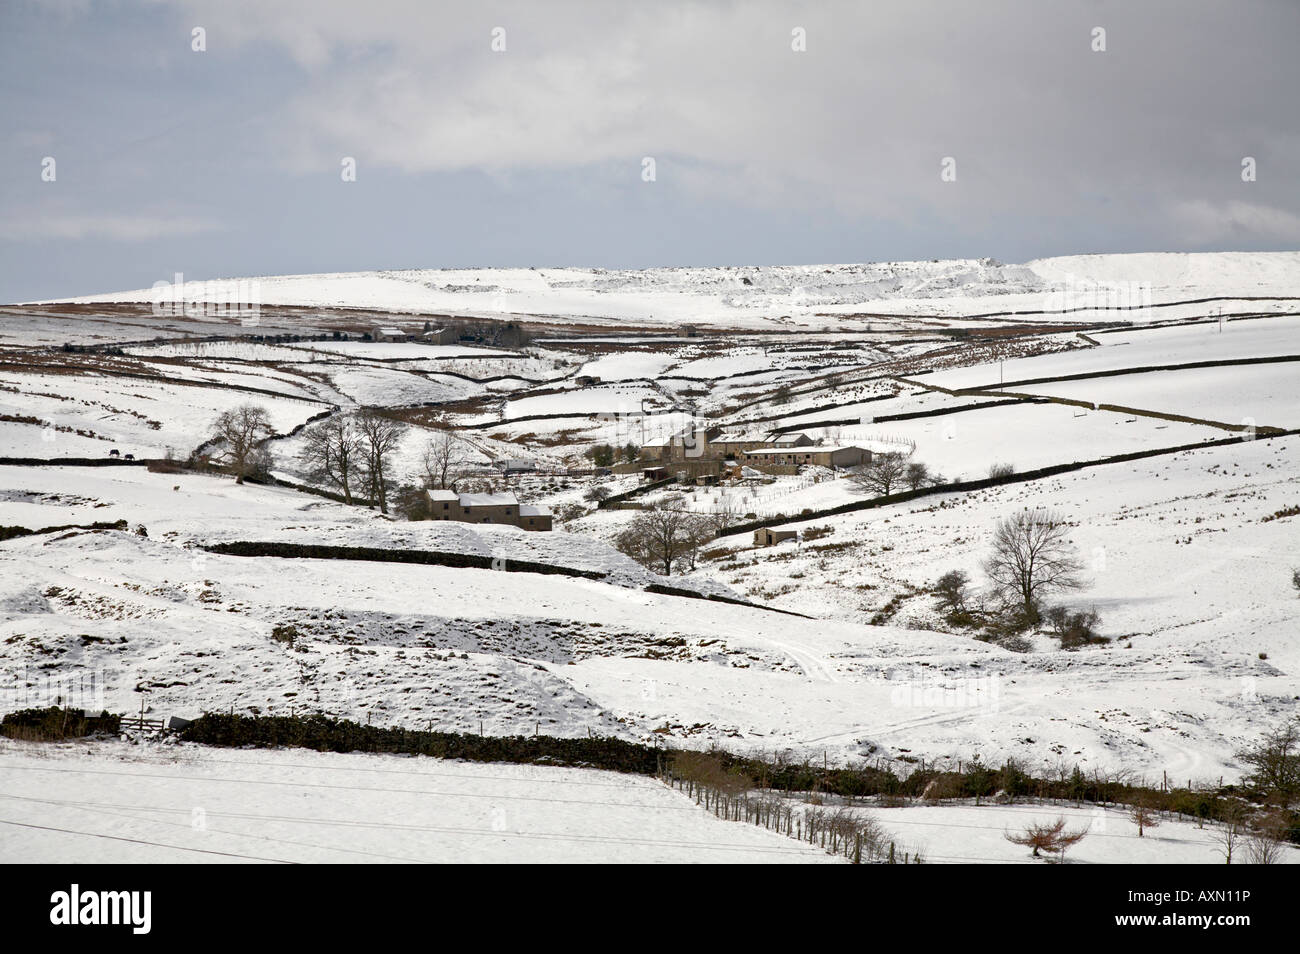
x: 150, y: 804
x: 141, y: 417
x: 398, y: 350
x: 970, y: 834
x: 143, y: 804
x: 1208, y: 340
x: 1265, y: 395
x: 963, y: 446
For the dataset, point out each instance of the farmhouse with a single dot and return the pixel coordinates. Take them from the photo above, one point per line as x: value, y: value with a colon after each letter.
x: 824, y: 455
x: 389, y: 334
x: 487, y: 508
x: 734, y: 445
x: 587, y: 380
x: 690, y: 444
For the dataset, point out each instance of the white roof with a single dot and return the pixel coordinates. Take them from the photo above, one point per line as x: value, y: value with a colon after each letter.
x: 528, y: 511
x: 442, y: 495
x: 488, y: 500
x: 760, y: 437
x: 390, y: 331
x: 811, y: 449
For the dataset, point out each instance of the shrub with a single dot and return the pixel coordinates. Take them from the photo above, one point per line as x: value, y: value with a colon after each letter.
x: 596, y: 494
x: 917, y: 475
x: 951, y: 595
x: 602, y: 455
x: 1052, y: 838
x: 285, y: 634
x: 1073, y: 629
x: 56, y: 724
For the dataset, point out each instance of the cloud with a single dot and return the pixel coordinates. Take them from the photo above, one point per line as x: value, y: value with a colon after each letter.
x: 30, y: 225
x: 1040, y: 125
x: 1209, y: 222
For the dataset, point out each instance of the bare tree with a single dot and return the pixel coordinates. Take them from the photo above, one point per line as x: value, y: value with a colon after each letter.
x: 445, y: 460
x: 882, y: 473
x: 1051, y: 838
x: 917, y: 475
x: 332, y: 452
x: 724, y: 516
x: 1032, y: 556
x: 1229, y: 835
x: 1143, y: 814
x: 1276, y: 763
x: 1267, y: 839
x: 698, y: 530
x: 243, y: 429
x: 657, y: 539
x: 379, y: 438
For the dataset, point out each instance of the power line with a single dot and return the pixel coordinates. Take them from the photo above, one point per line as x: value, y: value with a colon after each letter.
x: 439, y: 829
x: 139, y: 841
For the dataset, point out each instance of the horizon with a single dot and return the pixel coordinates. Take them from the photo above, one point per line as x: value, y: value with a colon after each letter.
x: 191, y: 280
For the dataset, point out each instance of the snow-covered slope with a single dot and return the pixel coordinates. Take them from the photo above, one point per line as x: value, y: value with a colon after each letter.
x: 771, y: 296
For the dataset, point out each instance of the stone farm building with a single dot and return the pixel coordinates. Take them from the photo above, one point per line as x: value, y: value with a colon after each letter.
x: 734, y: 445
x: 824, y: 455
x: 690, y: 444
x: 487, y: 508
x: 704, y: 451
x: 766, y: 536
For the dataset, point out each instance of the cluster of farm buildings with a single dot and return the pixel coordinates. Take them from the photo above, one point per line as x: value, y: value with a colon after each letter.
x: 706, y: 455
x: 697, y: 455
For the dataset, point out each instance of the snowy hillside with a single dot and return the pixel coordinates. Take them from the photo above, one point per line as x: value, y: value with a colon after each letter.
x: 809, y: 296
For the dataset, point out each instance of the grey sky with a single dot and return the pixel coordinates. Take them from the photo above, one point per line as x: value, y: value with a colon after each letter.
x: 227, y: 162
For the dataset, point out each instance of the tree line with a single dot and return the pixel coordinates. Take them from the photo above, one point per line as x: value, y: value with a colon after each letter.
x: 351, y: 454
